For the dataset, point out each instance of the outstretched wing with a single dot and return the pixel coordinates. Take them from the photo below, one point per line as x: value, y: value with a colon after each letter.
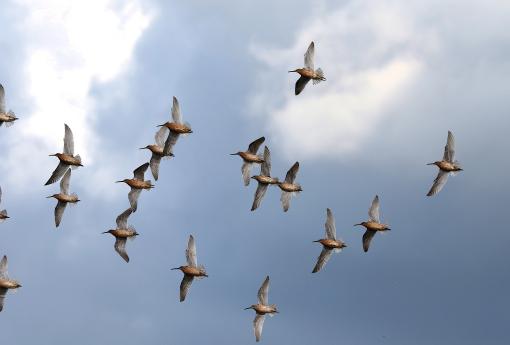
x: 3, y: 268
x: 263, y: 291
x: 254, y: 146
x: 57, y: 173
x: 367, y: 238
x: 291, y: 174
x: 245, y: 170
x: 133, y: 196
x: 322, y: 259
x: 300, y: 84
x: 2, y: 99
x: 449, y: 149
x: 64, y: 183
x: 310, y: 56
x: 154, y: 163
x: 59, y: 212
x: 120, y: 248
x: 185, y: 284
x: 140, y: 171
x: 176, y: 111
x: 373, y: 211
x: 160, y: 136
x: 285, y: 199
x: 439, y: 182
x: 68, y: 141
x: 258, y: 324
x: 330, y: 225
x: 191, y: 252
x: 170, y: 142
x: 259, y: 195
x: 122, y: 219
x: 265, y: 168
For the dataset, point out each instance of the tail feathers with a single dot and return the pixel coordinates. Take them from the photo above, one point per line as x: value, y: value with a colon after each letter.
x: 3, y: 212
x: 320, y: 76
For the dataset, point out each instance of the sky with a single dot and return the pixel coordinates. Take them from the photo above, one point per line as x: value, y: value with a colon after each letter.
x: 399, y: 75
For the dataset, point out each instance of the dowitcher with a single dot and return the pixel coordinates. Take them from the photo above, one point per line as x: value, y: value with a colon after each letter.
x: 264, y: 179
x: 192, y: 270
x: 176, y: 127
x: 67, y: 158
x: 330, y: 243
x: 448, y: 165
x: 158, y: 151
x: 3, y: 213
x: 122, y: 233
x: 63, y: 198
x: 262, y: 308
x: 288, y: 186
x: 137, y: 184
x: 5, y: 282
x: 5, y: 116
x: 308, y: 72
x: 373, y: 225
x: 250, y: 157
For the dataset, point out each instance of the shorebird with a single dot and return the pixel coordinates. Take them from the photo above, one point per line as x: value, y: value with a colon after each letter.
x: 176, y: 127
x: 262, y: 308
x: 122, y: 233
x: 308, y: 72
x: 373, y: 225
x: 448, y: 165
x: 63, y: 197
x: 3, y: 213
x: 67, y: 158
x: 5, y: 116
x: 191, y: 270
x: 264, y: 179
x: 330, y: 243
x: 250, y: 157
x: 288, y: 186
x: 158, y: 151
x: 137, y: 184
x: 6, y: 283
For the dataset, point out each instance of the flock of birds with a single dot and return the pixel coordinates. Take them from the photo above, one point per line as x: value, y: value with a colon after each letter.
x: 165, y: 139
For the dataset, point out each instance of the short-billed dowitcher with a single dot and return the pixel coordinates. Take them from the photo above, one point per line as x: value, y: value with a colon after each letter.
x: 122, y: 233
x: 448, y: 165
x: 157, y: 150
x: 137, y: 184
x: 63, y: 198
x: 264, y: 179
x: 262, y: 308
x: 5, y: 282
x: 330, y: 243
x: 250, y: 157
x: 288, y: 186
x: 373, y: 225
x: 67, y: 158
x: 308, y: 72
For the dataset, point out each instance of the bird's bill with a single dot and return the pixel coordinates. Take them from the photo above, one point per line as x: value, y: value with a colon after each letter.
x: 357, y: 224
x: 142, y: 148
x: 119, y: 181
x: 250, y: 307
x: 175, y: 268
x: 105, y: 232
x: 293, y: 71
x: 53, y: 155
x: 235, y: 154
x: 431, y: 163
x: 51, y: 196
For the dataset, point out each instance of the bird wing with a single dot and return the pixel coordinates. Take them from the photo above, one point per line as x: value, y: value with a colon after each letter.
x: 59, y: 212
x: 245, y: 170
x: 265, y: 168
x: 310, y: 56
x: 300, y: 84
x: 160, y: 136
x: 373, y: 211
x: 259, y: 195
x: 258, y: 324
x: 185, y: 284
x: 68, y: 141
x: 140, y: 171
x: 171, y: 140
x: 176, y: 111
x: 291, y: 174
x: 2, y: 99
x: 439, y: 182
x: 367, y: 238
x: 133, y: 196
x: 3, y: 292
x: 154, y: 164
x: 322, y: 259
x: 64, y: 183
x: 59, y: 171
x: 449, y: 149
x: 254, y: 145
x: 330, y: 225
x: 0, y: 188
x: 122, y: 219
x: 191, y: 252
x: 3, y: 268
x: 120, y: 248
x: 285, y: 199
x: 262, y: 294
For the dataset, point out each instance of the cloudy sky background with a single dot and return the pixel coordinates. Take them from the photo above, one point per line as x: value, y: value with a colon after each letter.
x: 399, y: 76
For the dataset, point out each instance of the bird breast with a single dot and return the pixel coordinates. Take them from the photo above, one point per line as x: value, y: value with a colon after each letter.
x: 375, y: 226
x: 305, y: 72
x: 266, y: 179
x: 331, y: 244
x: 139, y: 184
x: 447, y: 166
x: 250, y: 157
x: 289, y: 187
x: 177, y: 128
x: 68, y: 159
x: 66, y: 198
x: 124, y: 233
x: 264, y: 309
x: 192, y: 271
x: 8, y: 284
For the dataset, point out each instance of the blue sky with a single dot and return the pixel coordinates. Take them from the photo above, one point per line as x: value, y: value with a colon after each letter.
x: 399, y: 76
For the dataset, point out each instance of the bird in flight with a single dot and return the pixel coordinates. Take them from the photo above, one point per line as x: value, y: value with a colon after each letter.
x: 67, y: 158
x: 158, y: 150
x: 308, y: 72
x: 63, y: 198
x: 250, y: 157
x: 122, y: 233
x: 137, y: 184
x: 448, y: 165
x: 330, y: 243
x: 7, y: 117
x: 176, y: 127
x: 288, y: 186
x: 6, y: 283
x: 262, y: 308
x: 3, y: 213
x: 264, y: 179
x: 373, y: 225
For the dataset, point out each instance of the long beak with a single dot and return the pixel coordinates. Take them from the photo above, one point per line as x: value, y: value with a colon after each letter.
x: 51, y: 196
x: 316, y: 241
x: 175, y: 268
x: 357, y: 224
x: 118, y: 181
x: 293, y: 71
x: 105, y: 232
x: 247, y: 308
x: 430, y: 164
x: 234, y: 154
x: 142, y: 148
x: 53, y: 155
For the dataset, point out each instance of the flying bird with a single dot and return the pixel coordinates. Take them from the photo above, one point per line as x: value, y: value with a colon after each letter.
x: 158, y: 150
x: 67, y: 158
x: 3, y: 213
x: 250, y: 157
x: 176, y: 127
x: 264, y: 179
x: 137, y: 184
x: 288, y: 186
x: 122, y: 233
x: 262, y: 308
x: 63, y: 198
x: 5, y: 116
x: 373, y: 225
x: 308, y: 72
x: 330, y: 243
x: 192, y: 270
x: 5, y: 282
x: 448, y: 165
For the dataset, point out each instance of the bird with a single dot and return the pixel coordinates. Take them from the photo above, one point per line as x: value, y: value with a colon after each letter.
x: 122, y: 233
x: 288, y: 186
x: 373, y: 225
x: 63, y: 197
x: 5, y: 116
x: 262, y: 308
x: 176, y: 127
x: 448, y: 165
x: 264, y: 179
x: 137, y: 184
x: 3, y: 213
x: 158, y: 151
x: 308, y: 72
x: 67, y: 158
x: 191, y: 271
x: 250, y: 157
x: 329, y: 244
x: 5, y: 282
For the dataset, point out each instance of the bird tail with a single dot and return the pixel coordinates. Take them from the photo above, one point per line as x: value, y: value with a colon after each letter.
x: 10, y: 123
x: 3, y: 213
x: 79, y: 161
x: 320, y: 76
